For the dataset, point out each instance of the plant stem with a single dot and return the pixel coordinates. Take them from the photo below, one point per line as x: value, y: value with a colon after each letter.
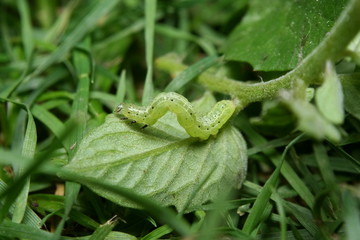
x: 332, y: 48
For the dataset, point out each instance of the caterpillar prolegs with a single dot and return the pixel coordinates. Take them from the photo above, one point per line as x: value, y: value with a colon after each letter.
x: 195, y: 124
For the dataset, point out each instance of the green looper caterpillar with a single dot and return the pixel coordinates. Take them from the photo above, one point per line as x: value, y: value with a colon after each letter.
x: 195, y: 124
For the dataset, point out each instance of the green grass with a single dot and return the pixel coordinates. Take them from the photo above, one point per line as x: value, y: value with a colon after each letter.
x: 66, y: 65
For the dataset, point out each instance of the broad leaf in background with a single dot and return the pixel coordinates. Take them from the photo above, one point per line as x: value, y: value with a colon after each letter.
x: 162, y: 162
x: 329, y: 96
x: 351, y: 88
x: 277, y: 35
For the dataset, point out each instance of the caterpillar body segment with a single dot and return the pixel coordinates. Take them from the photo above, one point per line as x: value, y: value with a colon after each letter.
x: 195, y: 124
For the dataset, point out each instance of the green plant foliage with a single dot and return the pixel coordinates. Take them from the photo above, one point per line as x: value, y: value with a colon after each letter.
x: 284, y: 166
x: 308, y: 117
x: 351, y: 88
x: 136, y: 158
x: 329, y: 96
x: 278, y: 36
x: 275, y: 119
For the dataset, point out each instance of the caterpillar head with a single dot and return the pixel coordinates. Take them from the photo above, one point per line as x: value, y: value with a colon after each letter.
x: 118, y: 108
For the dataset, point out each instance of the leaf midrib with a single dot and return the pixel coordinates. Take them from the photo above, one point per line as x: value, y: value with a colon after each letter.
x: 135, y: 157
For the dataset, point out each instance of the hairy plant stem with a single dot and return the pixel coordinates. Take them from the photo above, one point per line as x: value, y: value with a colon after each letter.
x: 332, y: 48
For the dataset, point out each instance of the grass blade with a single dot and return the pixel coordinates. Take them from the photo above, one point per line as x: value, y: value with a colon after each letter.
x: 261, y: 202
x: 14, y: 188
x: 83, y: 64
x: 121, y: 89
x: 190, y: 73
x: 50, y: 120
x: 103, y: 231
x: 30, y: 217
x: 157, y: 233
x: 150, y: 18
x: 21, y: 231
x: 28, y: 151
x: 20, y: 191
x: 26, y: 28
x: 84, y: 26
x: 62, y: 21
x: 351, y: 215
x: 328, y: 176
x: 281, y: 210
x: 208, y: 48
x: 287, y: 171
x: 263, y: 198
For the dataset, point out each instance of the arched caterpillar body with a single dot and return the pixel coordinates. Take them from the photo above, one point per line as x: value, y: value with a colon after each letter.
x: 195, y: 124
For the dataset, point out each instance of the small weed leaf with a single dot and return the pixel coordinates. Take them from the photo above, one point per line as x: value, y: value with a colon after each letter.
x: 162, y: 162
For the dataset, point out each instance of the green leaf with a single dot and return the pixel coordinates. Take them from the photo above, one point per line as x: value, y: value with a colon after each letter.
x: 30, y: 218
x: 351, y: 88
x: 49, y: 119
x: 351, y: 213
x: 20, y: 192
x: 275, y: 119
x: 279, y: 35
x: 311, y: 121
x: 158, y: 233
x: 103, y: 230
x: 329, y: 96
x: 28, y: 151
x: 12, y: 230
x: 162, y: 162
x: 79, y: 111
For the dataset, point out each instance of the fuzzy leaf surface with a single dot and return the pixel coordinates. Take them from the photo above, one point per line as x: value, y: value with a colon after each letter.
x: 277, y: 36
x: 162, y: 162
